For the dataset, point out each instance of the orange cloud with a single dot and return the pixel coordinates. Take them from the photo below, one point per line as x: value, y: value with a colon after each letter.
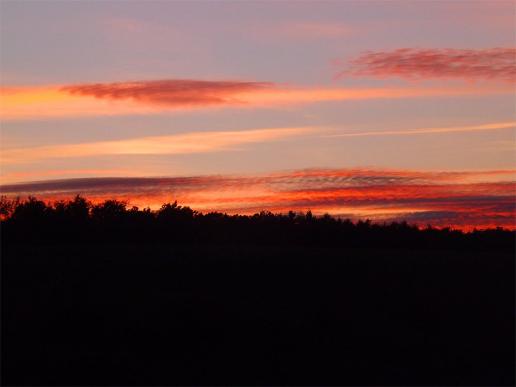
x: 412, y: 63
x: 183, y: 143
x: 463, y: 199
x: 152, y: 97
x: 140, y: 97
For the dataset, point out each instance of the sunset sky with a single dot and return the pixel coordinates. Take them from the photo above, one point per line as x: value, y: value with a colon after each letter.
x: 363, y: 109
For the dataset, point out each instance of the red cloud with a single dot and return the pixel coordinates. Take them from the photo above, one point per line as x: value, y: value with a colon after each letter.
x: 494, y: 63
x: 460, y: 199
x: 173, y: 92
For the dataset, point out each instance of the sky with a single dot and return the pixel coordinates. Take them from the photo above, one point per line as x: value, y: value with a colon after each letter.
x: 362, y: 109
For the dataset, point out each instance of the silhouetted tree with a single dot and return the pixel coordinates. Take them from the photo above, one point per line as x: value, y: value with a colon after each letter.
x: 109, y: 211
x: 31, y: 210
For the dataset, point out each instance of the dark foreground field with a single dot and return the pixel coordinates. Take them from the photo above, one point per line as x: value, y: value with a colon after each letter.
x: 149, y: 314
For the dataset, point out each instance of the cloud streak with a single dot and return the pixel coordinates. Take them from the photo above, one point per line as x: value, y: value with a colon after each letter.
x: 449, y: 129
x: 304, y: 31
x: 161, y: 96
x: 173, y: 92
x: 463, y: 199
x: 413, y: 63
x: 183, y: 143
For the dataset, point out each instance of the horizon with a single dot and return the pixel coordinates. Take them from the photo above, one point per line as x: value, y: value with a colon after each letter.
x: 73, y: 212
x: 357, y: 194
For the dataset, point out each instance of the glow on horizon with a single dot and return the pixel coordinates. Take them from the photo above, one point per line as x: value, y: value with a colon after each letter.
x: 462, y: 199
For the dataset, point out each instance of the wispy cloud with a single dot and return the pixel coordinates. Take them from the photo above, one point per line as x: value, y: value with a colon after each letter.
x: 152, y: 97
x: 192, y: 142
x: 414, y: 63
x: 68, y: 172
x: 302, y: 30
x: 462, y: 199
x: 438, y: 130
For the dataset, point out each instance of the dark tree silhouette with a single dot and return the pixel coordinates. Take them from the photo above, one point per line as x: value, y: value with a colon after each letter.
x: 113, y: 221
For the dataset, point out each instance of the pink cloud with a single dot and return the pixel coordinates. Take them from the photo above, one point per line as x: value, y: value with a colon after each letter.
x: 311, y: 30
x: 300, y: 31
x: 412, y: 63
x: 179, y: 92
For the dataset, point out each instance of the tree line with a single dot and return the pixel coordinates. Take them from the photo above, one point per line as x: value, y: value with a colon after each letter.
x: 79, y: 220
